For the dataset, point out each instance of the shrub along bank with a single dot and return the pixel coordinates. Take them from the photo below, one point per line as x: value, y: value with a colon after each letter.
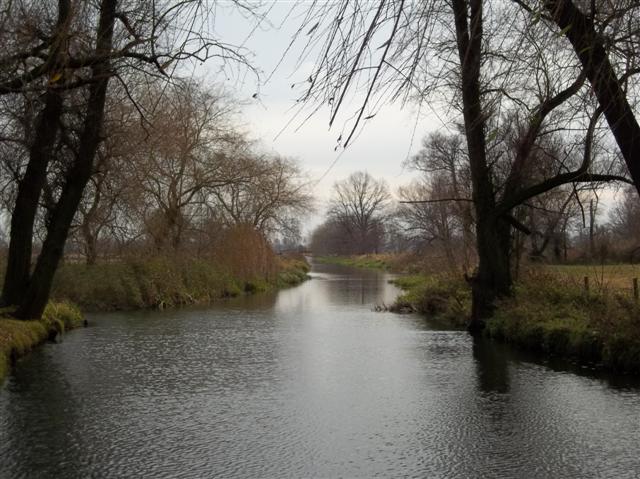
x: 444, y: 298
x: 163, y: 282
x: 158, y: 282
x: 561, y: 318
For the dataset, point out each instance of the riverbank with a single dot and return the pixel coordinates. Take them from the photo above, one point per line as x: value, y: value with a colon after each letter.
x: 399, y: 263
x: 548, y: 314
x: 310, y: 365
x: 155, y: 283
x: 551, y: 312
x: 17, y: 337
x: 159, y: 283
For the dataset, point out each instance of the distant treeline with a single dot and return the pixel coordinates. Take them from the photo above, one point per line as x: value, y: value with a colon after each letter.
x: 433, y: 216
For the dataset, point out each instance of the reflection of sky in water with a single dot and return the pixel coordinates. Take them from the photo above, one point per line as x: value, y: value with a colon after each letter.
x: 339, y: 288
x: 306, y: 382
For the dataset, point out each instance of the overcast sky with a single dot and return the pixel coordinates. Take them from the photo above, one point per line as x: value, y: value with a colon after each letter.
x: 380, y: 149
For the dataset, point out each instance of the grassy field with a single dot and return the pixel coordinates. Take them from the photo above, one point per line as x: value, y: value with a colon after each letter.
x: 552, y: 312
x: 613, y: 277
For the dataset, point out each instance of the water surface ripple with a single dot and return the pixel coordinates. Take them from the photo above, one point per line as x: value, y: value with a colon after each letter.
x: 307, y: 382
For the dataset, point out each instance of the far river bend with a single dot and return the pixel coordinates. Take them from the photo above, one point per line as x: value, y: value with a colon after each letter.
x: 307, y: 382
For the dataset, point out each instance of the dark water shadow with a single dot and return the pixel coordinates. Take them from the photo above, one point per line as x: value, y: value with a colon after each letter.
x: 492, y: 366
x: 493, y: 359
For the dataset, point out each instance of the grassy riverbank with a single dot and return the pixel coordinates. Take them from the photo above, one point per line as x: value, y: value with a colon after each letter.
x: 383, y: 261
x: 136, y: 284
x: 164, y: 282
x: 552, y: 310
x: 548, y: 313
x: 17, y: 338
x: 444, y: 298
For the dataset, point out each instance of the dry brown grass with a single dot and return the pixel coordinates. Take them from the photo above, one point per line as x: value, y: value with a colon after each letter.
x: 602, y: 278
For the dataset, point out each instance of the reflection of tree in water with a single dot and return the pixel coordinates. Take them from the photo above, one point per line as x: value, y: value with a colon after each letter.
x: 559, y: 364
x: 43, y: 434
x: 348, y: 286
x: 492, y: 364
x: 369, y: 288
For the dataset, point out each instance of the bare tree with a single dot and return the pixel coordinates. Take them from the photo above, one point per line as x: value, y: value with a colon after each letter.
x: 55, y: 49
x: 270, y: 199
x: 484, y: 67
x: 359, y: 204
x: 185, y: 153
x: 603, y: 36
x: 433, y: 223
x: 445, y: 183
x: 624, y: 219
x: 330, y: 238
x: 111, y: 191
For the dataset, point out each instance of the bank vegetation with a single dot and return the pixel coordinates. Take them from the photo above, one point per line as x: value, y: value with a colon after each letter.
x: 126, y: 181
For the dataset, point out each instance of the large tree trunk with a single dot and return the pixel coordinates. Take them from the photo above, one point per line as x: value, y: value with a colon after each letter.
x: 589, y: 47
x: 30, y: 186
x: 493, y: 276
x: 35, y: 298
x: 26, y: 206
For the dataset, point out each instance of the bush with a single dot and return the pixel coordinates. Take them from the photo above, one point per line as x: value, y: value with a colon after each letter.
x: 292, y: 270
x: 161, y: 282
x: 442, y: 297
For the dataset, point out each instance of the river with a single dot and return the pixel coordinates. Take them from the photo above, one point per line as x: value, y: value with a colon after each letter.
x: 307, y: 382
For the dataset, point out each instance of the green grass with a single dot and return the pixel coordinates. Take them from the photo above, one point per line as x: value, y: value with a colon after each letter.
x: 444, y: 298
x: 547, y: 313
x: 557, y: 317
x: 292, y: 271
x: 19, y: 337
x: 370, y: 261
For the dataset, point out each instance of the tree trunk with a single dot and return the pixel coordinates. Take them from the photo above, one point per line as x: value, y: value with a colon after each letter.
x: 36, y: 296
x: 589, y: 48
x: 557, y: 248
x: 592, y: 224
x: 90, y: 244
x: 446, y: 238
x: 30, y: 187
x: 493, y: 276
x: 34, y: 299
x: 26, y: 206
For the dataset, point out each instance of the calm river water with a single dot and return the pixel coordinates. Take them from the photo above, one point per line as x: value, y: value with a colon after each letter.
x: 308, y: 382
